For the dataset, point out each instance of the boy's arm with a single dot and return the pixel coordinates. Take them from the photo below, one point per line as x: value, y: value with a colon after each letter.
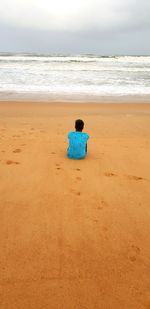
x: 87, y: 137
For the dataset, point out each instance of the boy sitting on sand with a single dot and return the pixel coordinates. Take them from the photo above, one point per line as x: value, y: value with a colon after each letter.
x: 77, y: 141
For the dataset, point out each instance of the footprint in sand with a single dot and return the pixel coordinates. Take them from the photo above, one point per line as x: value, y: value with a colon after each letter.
x: 105, y: 229
x: 110, y: 174
x: 78, y: 193
x: 78, y: 178
x: 99, y: 207
x: 53, y: 152
x: 15, y: 135
x: 131, y: 177
x: 17, y: 150
x: 78, y: 169
x: 8, y: 162
x: 95, y: 220
x: 102, y: 205
x: 75, y: 192
x: 134, y: 252
x: 58, y: 166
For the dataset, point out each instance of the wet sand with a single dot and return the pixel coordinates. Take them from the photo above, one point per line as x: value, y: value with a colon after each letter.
x: 74, y: 234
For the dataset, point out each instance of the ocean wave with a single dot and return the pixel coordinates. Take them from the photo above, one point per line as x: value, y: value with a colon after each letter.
x: 85, y: 74
x: 26, y: 58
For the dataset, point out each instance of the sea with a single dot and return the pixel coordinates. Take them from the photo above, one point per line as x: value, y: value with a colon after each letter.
x: 83, y: 78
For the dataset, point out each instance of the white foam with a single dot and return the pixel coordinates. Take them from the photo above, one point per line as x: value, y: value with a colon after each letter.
x: 80, y: 75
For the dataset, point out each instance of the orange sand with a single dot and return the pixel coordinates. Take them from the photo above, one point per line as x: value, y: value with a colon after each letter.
x: 74, y: 234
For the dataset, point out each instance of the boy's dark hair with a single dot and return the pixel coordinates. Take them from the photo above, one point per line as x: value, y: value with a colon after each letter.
x: 79, y: 125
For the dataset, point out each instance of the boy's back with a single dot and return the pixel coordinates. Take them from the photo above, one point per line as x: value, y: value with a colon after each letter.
x: 77, y: 144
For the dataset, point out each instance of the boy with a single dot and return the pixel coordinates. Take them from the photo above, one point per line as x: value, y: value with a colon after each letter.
x: 77, y: 141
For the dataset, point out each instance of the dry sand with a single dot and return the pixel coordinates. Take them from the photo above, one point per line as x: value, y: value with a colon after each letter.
x: 74, y: 234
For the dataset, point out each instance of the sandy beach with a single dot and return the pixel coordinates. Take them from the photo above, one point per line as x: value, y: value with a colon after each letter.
x: 74, y: 234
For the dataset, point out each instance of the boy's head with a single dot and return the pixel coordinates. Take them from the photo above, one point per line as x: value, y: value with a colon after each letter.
x: 79, y: 125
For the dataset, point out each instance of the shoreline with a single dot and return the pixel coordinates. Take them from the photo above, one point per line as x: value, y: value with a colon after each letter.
x: 50, y: 98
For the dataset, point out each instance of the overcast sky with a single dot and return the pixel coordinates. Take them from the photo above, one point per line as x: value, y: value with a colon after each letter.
x: 75, y: 26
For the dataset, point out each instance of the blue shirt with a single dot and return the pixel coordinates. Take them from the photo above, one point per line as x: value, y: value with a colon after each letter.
x: 77, y: 145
